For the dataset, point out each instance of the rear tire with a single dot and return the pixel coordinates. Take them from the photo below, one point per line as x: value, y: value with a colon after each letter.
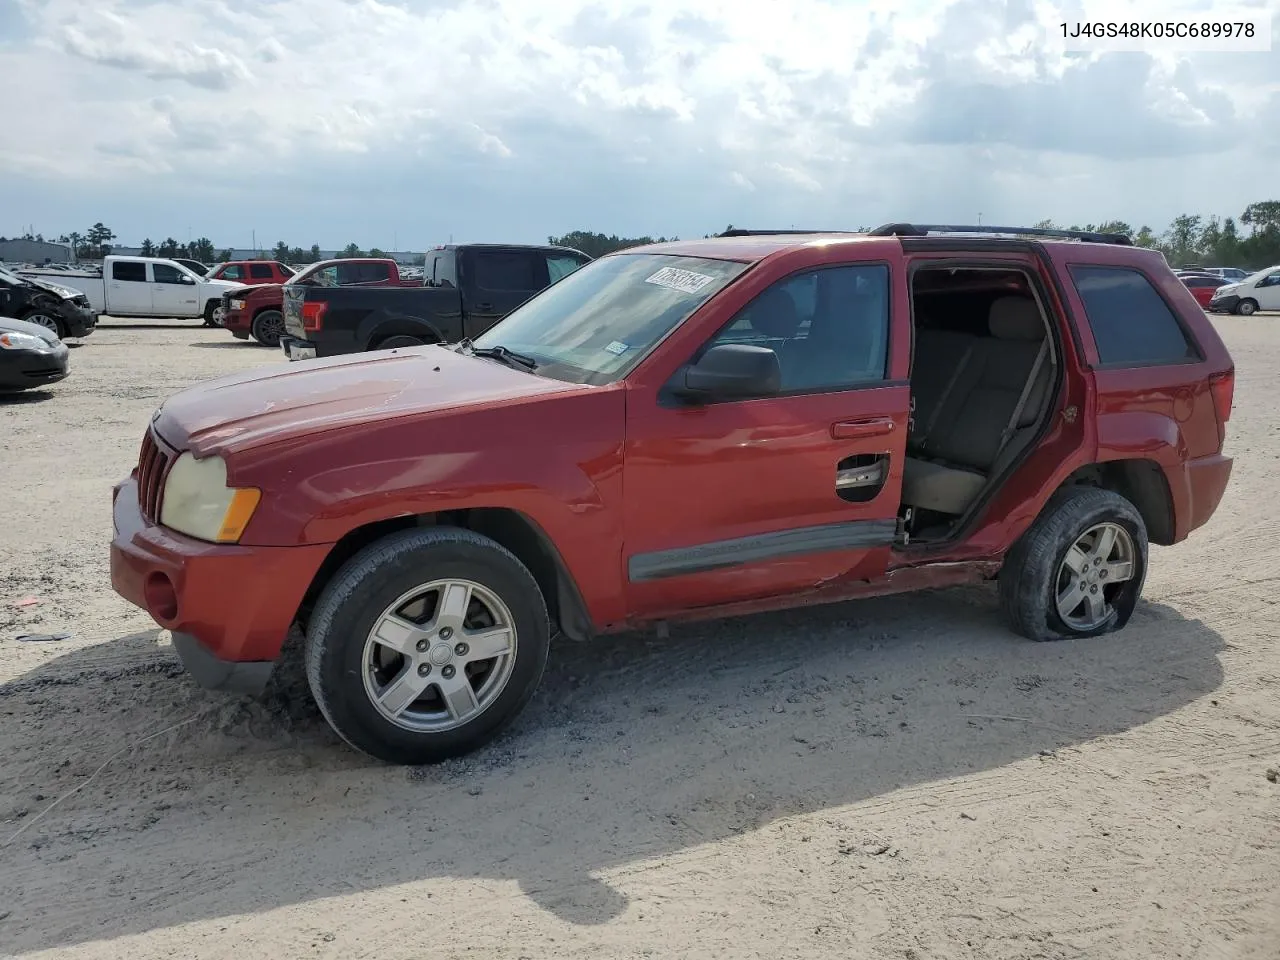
x: 1042, y: 595
x: 400, y: 341
x: 391, y: 663
x: 268, y: 327
x: 1247, y: 308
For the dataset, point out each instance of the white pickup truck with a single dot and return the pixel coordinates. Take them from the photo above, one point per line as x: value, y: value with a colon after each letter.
x: 143, y: 287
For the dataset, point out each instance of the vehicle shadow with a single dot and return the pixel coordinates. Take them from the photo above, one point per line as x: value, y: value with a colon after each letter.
x: 635, y: 748
x: 235, y: 344
x: 18, y: 397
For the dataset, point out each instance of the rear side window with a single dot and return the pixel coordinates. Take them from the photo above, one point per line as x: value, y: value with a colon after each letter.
x: 507, y: 270
x: 261, y: 271
x: 132, y: 272
x: 1132, y: 324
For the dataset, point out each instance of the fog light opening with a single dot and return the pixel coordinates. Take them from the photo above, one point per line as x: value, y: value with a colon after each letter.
x: 161, y: 597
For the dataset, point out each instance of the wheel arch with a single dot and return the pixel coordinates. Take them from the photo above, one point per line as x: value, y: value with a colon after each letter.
x: 1143, y: 483
x: 379, y: 328
x: 511, y: 529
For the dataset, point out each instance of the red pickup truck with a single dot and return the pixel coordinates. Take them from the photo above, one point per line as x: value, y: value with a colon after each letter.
x: 691, y: 429
x: 258, y: 311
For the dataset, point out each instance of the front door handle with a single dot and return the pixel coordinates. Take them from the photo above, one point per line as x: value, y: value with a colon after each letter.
x: 486, y: 307
x: 860, y: 429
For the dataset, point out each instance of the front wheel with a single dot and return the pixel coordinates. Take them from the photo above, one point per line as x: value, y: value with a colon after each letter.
x: 1079, y: 570
x: 268, y: 328
x: 49, y: 321
x: 210, y: 309
x: 1246, y: 308
x: 426, y: 644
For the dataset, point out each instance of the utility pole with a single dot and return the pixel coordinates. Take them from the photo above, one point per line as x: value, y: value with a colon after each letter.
x: 979, y: 219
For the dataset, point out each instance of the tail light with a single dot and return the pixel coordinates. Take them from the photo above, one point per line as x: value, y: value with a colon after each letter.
x: 1223, y: 388
x: 313, y: 316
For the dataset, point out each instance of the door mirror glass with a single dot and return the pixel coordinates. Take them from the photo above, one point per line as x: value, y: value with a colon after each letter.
x: 731, y: 371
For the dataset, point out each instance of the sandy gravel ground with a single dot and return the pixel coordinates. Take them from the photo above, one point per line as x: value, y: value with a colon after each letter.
x: 894, y: 778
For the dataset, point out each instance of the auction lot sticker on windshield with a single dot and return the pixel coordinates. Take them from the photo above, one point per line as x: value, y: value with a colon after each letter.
x: 686, y: 281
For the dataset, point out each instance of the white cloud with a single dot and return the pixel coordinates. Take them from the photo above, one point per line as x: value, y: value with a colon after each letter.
x: 502, y: 119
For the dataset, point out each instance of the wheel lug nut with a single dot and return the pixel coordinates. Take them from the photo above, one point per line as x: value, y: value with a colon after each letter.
x: 446, y: 633
x: 447, y: 673
x: 1093, y: 589
x: 461, y: 650
x: 1102, y: 574
x: 424, y: 669
x: 422, y: 646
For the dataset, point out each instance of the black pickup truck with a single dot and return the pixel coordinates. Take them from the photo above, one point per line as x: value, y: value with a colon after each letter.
x: 466, y: 289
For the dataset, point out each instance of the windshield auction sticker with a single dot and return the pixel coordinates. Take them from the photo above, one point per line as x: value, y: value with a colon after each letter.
x: 686, y: 281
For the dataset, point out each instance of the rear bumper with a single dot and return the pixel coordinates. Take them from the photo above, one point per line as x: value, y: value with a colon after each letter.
x: 1206, y: 481
x: 229, y: 607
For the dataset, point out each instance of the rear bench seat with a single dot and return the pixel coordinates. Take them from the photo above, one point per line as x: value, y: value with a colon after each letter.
x: 966, y: 414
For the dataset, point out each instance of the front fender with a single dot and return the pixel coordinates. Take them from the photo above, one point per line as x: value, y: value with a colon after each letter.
x: 557, y: 462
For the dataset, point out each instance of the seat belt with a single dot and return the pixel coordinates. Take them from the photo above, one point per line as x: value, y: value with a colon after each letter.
x: 946, y: 392
x: 1024, y: 397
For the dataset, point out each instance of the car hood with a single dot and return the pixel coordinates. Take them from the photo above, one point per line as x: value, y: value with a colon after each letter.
x: 1226, y: 288
x: 221, y: 284
x: 244, y: 291
x: 63, y: 293
x: 284, y: 403
x: 10, y: 325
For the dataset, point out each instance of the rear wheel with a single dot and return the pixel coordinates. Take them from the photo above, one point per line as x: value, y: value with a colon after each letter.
x: 1079, y: 570
x: 268, y: 327
x: 426, y: 644
x: 399, y: 341
x: 1247, y: 308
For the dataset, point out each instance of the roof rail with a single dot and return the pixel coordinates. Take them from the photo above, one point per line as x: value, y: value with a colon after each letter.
x: 924, y: 229
x: 738, y: 232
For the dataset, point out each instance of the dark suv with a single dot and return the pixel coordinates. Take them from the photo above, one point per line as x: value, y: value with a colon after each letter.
x: 685, y: 430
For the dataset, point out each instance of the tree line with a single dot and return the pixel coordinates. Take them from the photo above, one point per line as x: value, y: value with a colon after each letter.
x: 1251, y: 240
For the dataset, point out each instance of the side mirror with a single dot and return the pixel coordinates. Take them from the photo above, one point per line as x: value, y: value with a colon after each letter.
x: 730, y: 371
x: 188, y: 279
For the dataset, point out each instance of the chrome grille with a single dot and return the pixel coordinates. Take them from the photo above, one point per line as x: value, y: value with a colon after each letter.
x: 153, y: 465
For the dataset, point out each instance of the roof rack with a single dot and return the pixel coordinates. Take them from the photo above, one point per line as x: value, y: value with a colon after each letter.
x: 924, y: 229
x: 737, y: 232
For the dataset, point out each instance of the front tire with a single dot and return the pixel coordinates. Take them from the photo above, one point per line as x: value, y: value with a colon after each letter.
x: 268, y: 328
x: 426, y: 644
x: 209, y: 309
x: 1079, y: 570
x: 1247, y: 308
x: 49, y: 321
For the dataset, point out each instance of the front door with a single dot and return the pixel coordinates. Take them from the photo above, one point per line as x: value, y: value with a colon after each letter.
x: 128, y: 289
x: 748, y: 499
x: 173, y: 293
x: 1268, y: 291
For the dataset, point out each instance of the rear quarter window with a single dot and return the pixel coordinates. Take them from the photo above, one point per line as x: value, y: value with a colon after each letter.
x: 1132, y: 324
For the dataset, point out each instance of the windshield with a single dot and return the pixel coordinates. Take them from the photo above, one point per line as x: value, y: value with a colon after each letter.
x: 597, y: 323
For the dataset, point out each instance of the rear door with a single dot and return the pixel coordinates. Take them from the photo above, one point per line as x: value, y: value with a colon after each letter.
x: 497, y: 281
x: 262, y: 273
x: 748, y: 499
x: 128, y: 289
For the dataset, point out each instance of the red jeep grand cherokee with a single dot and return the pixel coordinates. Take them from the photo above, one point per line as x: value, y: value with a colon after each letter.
x: 685, y: 430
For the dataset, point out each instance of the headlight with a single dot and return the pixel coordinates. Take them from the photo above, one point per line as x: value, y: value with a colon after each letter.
x: 237, y: 304
x: 198, y: 502
x: 23, y: 341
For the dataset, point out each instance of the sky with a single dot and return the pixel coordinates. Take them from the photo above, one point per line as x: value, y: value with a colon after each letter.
x: 405, y: 123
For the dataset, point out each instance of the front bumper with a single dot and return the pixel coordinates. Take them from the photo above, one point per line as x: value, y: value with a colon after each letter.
x: 1224, y: 304
x: 238, y: 322
x: 229, y: 607
x: 23, y: 369
x: 80, y: 320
